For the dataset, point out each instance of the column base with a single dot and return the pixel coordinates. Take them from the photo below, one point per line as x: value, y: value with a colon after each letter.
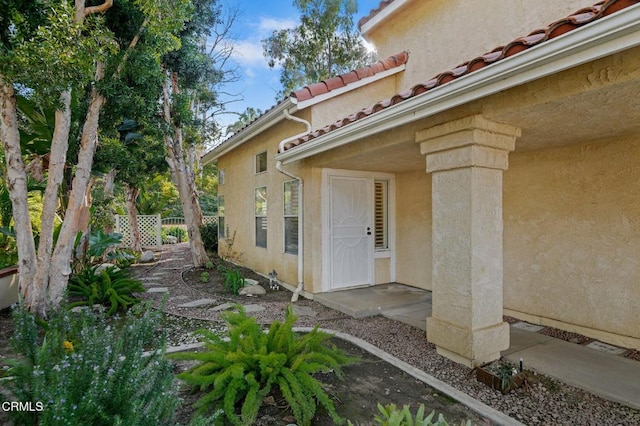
x: 466, y: 346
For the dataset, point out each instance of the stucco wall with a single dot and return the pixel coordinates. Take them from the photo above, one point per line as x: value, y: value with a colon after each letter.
x: 413, y: 229
x: 238, y: 191
x: 440, y: 34
x: 572, y: 238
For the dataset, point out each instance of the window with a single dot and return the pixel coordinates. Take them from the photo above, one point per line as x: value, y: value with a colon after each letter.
x: 261, y: 216
x: 291, y: 217
x: 221, y: 177
x: 221, y: 233
x: 261, y: 162
x: 381, y: 189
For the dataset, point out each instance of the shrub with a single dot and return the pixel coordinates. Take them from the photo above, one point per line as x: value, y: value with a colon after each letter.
x: 109, y: 287
x: 85, y: 370
x: 177, y: 231
x: 233, y: 280
x: 391, y: 415
x: 204, y: 277
x: 245, y: 365
x: 123, y: 257
x: 209, y: 234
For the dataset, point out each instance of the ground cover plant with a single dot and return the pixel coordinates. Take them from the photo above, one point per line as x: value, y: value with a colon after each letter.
x: 86, y: 369
x: 237, y: 370
x: 109, y: 286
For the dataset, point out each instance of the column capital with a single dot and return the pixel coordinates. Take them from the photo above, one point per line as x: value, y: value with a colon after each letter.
x: 471, y: 141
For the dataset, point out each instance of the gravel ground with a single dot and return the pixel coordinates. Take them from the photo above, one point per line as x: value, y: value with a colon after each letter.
x: 544, y: 402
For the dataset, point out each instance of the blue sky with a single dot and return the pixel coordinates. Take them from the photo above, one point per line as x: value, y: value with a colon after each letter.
x: 257, y: 19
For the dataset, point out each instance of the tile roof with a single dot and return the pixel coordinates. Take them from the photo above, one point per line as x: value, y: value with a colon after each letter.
x: 342, y: 80
x: 578, y: 19
x: 383, y: 4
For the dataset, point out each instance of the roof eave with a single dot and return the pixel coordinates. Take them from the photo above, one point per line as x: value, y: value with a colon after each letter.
x: 612, y: 34
x: 381, y: 16
x: 269, y: 119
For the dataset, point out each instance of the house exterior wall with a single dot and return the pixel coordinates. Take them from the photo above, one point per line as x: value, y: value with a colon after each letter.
x: 413, y: 229
x: 238, y: 191
x: 572, y: 238
x: 442, y: 33
x: 332, y: 109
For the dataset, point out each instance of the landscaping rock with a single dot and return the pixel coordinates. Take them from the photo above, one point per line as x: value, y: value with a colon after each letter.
x: 305, y: 311
x: 253, y: 308
x: 158, y: 290
x: 198, y: 303
x: 222, y: 307
x: 104, y: 266
x: 172, y: 240
x: 147, y: 257
x: 252, y: 290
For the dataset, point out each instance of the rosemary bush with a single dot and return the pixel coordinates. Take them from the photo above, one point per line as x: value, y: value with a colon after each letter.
x: 88, y: 370
x: 239, y: 369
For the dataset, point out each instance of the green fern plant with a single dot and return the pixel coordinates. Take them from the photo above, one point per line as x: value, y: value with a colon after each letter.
x: 242, y: 367
x: 110, y: 287
x: 391, y: 415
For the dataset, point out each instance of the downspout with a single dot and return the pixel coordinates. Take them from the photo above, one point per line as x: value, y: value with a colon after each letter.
x: 299, y: 288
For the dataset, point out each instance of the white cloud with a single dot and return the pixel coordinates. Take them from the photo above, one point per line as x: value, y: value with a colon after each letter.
x: 267, y: 25
x: 248, y: 53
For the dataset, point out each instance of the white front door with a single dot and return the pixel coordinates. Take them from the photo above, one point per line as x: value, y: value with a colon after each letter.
x: 351, y: 240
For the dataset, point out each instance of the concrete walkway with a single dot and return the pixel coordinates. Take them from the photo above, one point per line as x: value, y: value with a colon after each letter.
x: 608, y: 375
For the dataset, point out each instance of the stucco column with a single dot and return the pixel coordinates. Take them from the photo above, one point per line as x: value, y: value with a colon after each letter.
x: 467, y: 158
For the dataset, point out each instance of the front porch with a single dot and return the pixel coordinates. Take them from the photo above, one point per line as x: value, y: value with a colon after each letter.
x: 611, y: 376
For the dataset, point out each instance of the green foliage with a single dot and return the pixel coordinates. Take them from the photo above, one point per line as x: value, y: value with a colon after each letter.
x: 241, y: 368
x: 204, y: 277
x: 176, y: 231
x: 323, y: 45
x: 109, y: 287
x: 391, y: 415
x: 209, y: 265
x: 209, y: 234
x: 123, y: 257
x: 87, y: 370
x: 233, y: 279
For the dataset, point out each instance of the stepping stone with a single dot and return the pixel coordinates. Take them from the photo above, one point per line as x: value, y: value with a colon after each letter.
x: 178, y: 298
x: 304, y: 311
x: 222, y: 307
x: 158, y: 290
x: 198, y: 303
x: 603, y: 347
x: 528, y: 327
x: 253, y: 308
x: 252, y: 290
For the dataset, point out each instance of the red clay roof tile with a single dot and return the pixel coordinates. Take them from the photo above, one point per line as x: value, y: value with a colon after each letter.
x: 343, y: 80
x: 555, y: 29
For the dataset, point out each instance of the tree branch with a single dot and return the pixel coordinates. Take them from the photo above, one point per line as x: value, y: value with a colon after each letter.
x: 98, y: 9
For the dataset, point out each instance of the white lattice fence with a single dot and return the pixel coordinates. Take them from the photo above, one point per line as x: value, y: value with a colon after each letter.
x: 150, y: 230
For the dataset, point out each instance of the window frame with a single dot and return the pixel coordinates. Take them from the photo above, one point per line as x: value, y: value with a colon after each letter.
x: 256, y: 162
x: 386, y: 246
x: 221, y: 223
x: 220, y: 177
x: 294, y: 215
x: 263, y: 217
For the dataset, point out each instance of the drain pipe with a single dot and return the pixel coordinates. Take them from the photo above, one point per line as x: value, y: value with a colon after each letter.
x: 300, y: 287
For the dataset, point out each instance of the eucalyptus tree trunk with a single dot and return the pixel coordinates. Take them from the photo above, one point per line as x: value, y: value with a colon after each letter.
x: 17, y: 186
x: 132, y: 213
x: 57, y: 161
x: 109, y: 184
x: 180, y: 176
x: 61, y: 260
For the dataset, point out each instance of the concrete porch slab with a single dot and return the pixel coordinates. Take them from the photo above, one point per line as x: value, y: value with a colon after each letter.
x: 613, y: 377
x: 368, y: 301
